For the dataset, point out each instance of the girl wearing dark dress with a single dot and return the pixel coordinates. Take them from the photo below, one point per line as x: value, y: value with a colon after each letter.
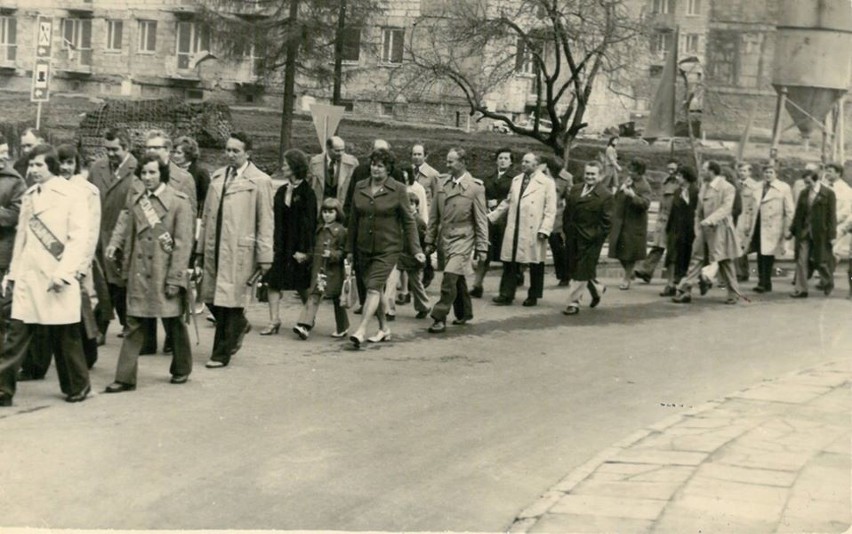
x: 680, y: 229
x: 295, y: 215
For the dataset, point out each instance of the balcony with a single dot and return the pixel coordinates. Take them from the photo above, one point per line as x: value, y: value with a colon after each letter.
x: 75, y: 61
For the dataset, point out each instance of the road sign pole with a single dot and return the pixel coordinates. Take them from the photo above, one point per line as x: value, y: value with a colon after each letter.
x: 38, y: 116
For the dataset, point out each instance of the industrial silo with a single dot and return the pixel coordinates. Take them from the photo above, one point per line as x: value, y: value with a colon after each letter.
x: 812, y: 63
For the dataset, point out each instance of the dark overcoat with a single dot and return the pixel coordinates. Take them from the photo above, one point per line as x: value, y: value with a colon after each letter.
x: 629, y: 234
x: 295, y: 227
x: 586, y: 225
x: 822, y: 216
x: 114, y: 189
x: 333, y: 239
x: 381, y: 224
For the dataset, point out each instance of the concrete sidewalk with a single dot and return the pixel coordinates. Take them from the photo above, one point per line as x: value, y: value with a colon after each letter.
x: 772, y: 458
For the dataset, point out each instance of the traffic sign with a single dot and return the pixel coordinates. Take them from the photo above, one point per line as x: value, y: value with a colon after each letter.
x: 41, y: 69
x: 45, y: 37
x: 326, y: 119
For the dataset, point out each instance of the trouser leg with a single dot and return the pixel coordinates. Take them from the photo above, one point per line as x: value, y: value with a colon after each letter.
x: 693, y: 273
x: 428, y: 272
x: 181, y: 348
x: 536, y: 289
x: 509, y: 280
x: 341, y: 319
x: 418, y: 292
x: 801, y: 281
x: 449, y: 288
x: 462, y: 306
x: 742, y: 268
x: 308, y: 317
x: 480, y: 269
x: 557, y: 250
x: 131, y: 346
x: 649, y: 264
x: 826, y: 271
x: 90, y: 347
x: 18, y: 338
x: 118, y: 296
x: 232, y: 323
x: 575, y: 291
x: 39, y: 353
x: 729, y: 277
x: 764, y: 271
x: 70, y: 360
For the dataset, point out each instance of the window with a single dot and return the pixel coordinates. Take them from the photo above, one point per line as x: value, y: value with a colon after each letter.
x: 77, y: 40
x: 192, y: 38
x: 524, y: 60
x: 115, y: 31
x: 387, y: 109
x: 690, y: 43
x: 392, y: 41
x: 147, y: 35
x: 8, y: 39
x: 663, y: 7
x: 255, y: 57
x: 693, y: 7
x: 352, y: 45
x: 661, y: 43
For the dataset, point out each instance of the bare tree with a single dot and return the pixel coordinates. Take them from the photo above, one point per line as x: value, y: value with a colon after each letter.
x: 566, y: 46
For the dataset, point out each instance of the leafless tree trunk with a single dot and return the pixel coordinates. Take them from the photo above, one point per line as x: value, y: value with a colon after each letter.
x: 289, y: 83
x: 338, y: 53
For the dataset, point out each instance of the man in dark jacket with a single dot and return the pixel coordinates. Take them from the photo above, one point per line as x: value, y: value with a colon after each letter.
x: 587, y: 220
x: 12, y: 187
x: 814, y: 228
x: 496, y: 190
x: 30, y: 139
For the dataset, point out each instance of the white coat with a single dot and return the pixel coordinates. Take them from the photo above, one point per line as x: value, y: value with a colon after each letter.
x: 536, y: 216
x: 776, y: 215
x: 844, y: 216
x: 750, y: 193
x: 93, y: 208
x: 33, y: 267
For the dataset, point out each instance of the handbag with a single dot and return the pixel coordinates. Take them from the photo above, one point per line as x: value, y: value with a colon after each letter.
x: 262, y: 292
x: 349, y: 292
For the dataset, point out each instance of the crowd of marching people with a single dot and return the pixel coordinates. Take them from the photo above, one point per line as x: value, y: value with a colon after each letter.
x: 145, y: 236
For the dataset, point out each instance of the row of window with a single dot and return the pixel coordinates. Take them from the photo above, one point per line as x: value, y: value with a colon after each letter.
x: 664, y: 7
x: 661, y: 42
x: 192, y: 37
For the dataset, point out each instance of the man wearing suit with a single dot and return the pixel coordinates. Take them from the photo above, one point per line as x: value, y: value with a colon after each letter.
x: 459, y: 225
x: 529, y: 211
x: 112, y: 176
x: 587, y: 221
x: 235, y: 244
x: 774, y: 215
x: 814, y: 228
x: 331, y: 172
x: 496, y: 190
x: 715, y: 236
x: 49, y: 249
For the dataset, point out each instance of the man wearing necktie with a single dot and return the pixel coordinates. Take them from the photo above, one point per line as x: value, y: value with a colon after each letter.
x: 331, y: 172
x: 774, y: 216
x: 586, y: 223
x: 234, y: 245
x: 529, y: 212
x: 814, y: 228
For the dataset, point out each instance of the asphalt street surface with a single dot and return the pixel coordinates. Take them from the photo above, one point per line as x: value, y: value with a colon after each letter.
x: 458, y: 431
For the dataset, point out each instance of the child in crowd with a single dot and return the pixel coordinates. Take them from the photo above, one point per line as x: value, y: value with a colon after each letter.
x: 327, y: 271
x: 409, y: 265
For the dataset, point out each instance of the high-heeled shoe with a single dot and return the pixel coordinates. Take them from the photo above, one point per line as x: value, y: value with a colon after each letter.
x: 381, y: 335
x: 356, y: 340
x: 271, y: 328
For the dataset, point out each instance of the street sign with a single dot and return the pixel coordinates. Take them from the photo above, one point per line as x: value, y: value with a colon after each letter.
x: 326, y: 120
x: 41, y: 69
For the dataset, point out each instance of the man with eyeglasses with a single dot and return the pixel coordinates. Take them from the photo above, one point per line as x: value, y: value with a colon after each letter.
x: 658, y: 246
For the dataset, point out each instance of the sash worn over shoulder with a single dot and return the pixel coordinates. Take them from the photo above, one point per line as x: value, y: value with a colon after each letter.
x: 46, y: 237
x: 163, y: 236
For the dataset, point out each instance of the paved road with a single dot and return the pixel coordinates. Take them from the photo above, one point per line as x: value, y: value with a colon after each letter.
x: 423, y: 433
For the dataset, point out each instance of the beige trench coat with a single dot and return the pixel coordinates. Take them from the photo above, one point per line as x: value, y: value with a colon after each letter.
x: 348, y: 164
x: 660, y: 239
x: 32, y: 267
x: 246, y: 238
x: 750, y: 193
x: 537, y: 214
x: 776, y: 216
x: 458, y: 222
x: 715, y: 205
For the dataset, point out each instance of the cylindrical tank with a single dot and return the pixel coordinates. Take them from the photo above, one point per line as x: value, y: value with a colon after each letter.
x: 812, y: 57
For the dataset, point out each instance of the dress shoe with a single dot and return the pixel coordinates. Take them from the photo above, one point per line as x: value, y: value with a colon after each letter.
x: 210, y: 318
x: 118, y: 387
x: 179, y: 379
x: 339, y: 335
x: 461, y: 322
x: 759, y: 289
x: 79, y: 397
x: 356, y: 340
x: 668, y: 291
x: 645, y: 277
x: 624, y: 286
x: 381, y: 335
x: 476, y: 292
x: 422, y: 314
x: 682, y: 297
x: 271, y: 328
x: 5, y: 400
x: 828, y: 289
x: 564, y: 283
x: 704, y: 284
x: 731, y: 300
x: 438, y: 327
x: 530, y: 302
x: 240, y: 339
x: 167, y: 349
x: 799, y: 295
x: 596, y: 296
x: 26, y: 376
x: 571, y: 310
x: 101, y: 340
x: 358, y: 310
x: 390, y: 316
x: 301, y: 331
x: 213, y: 364
x: 500, y: 300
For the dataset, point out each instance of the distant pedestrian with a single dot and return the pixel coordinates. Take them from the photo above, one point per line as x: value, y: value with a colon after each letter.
x: 611, y: 167
x: 331, y: 172
x: 158, y: 247
x: 30, y: 138
x: 497, y: 187
x: 294, y: 210
x: 327, y: 271
x: 680, y: 229
x: 235, y: 244
x: 628, y: 236
x: 645, y: 271
x: 814, y: 228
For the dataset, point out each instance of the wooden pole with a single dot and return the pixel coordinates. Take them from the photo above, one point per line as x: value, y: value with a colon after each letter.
x: 38, y: 116
x: 776, y: 125
x: 841, y: 133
